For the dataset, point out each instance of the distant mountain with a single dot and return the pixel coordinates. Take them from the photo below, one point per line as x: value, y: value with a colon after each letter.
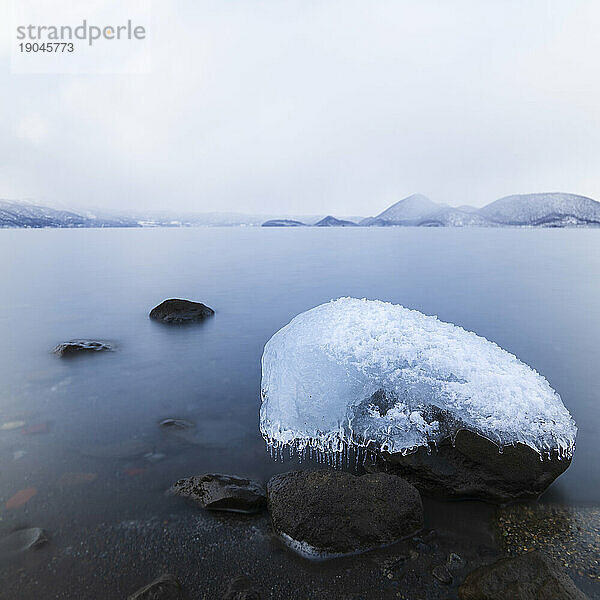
x: 410, y: 210
x: 25, y: 214
x: 283, y: 223
x: 449, y: 216
x: 213, y: 219
x: 546, y: 210
x: 330, y: 221
x: 533, y: 210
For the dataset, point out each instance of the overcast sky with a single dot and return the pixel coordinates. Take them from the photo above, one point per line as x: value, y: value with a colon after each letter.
x: 311, y: 107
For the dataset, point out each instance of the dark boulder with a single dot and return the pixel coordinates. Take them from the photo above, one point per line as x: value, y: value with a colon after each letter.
x: 474, y: 467
x: 214, y: 491
x: 165, y: 587
x: 334, y: 512
x: 74, y: 347
x: 530, y: 576
x: 241, y: 588
x: 180, y: 311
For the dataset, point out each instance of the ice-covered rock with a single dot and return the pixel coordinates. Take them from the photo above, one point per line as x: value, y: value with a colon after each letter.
x: 373, y: 374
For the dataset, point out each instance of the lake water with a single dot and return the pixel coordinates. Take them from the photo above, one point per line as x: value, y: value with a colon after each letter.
x: 534, y: 292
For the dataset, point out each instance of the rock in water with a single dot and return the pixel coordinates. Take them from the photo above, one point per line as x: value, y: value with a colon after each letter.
x: 81, y: 346
x: 363, y: 373
x: 325, y: 513
x: 530, y: 576
x: 214, y: 491
x: 180, y: 311
x: 123, y: 449
x: 22, y: 540
x: 165, y: 587
x: 471, y: 466
x: 176, y: 424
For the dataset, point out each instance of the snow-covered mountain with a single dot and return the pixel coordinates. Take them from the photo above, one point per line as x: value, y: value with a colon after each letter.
x: 418, y: 210
x: 533, y: 210
x: 449, y: 216
x: 549, y: 210
x: 407, y: 211
x: 330, y: 221
x: 25, y: 214
x: 30, y: 215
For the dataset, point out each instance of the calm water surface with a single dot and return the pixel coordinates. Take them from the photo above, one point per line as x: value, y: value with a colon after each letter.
x: 534, y: 292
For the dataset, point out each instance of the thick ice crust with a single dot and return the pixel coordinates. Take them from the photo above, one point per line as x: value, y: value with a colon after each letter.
x: 363, y: 373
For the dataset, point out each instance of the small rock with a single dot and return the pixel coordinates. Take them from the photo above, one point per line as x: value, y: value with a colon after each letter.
x: 455, y: 561
x: 154, y: 457
x: 80, y: 346
x: 214, y: 491
x: 36, y: 428
x: 166, y: 587
x: 333, y: 512
x: 176, y: 424
x: 442, y: 574
x: 180, y: 311
x: 22, y: 540
x: 20, y: 498
x: 530, y: 576
x: 241, y: 588
x: 429, y: 536
x: 10, y: 425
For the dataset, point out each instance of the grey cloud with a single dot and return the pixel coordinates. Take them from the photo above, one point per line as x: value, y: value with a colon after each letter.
x: 319, y: 107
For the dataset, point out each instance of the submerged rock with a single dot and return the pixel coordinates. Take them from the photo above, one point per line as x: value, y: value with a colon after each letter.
x: 76, y: 478
x: 214, y: 491
x: 530, y: 576
x: 20, y: 498
x: 176, y: 424
x: 166, y: 587
x: 370, y: 374
x: 178, y: 311
x: 570, y: 535
x: 22, y: 540
x: 10, y: 425
x: 325, y: 512
x: 474, y: 467
x: 241, y: 588
x: 124, y: 449
x: 74, y: 347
